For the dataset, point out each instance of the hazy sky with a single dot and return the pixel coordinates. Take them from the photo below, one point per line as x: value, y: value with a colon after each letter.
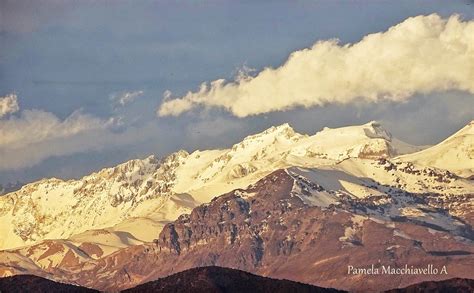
x: 90, y: 76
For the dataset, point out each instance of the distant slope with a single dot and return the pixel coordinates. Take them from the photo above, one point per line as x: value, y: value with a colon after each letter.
x: 30, y: 284
x: 218, y: 279
x: 456, y: 153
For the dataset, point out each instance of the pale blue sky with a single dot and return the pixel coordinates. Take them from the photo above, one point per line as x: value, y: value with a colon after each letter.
x: 62, y: 56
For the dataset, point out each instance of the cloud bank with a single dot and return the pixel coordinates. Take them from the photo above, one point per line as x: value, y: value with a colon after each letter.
x: 8, y: 105
x: 422, y: 54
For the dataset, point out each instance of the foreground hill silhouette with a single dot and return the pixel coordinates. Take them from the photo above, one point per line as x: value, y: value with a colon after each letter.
x: 217, y: 279
x: 213, y: 279
x: 34, y: 284
x: 455, y: 285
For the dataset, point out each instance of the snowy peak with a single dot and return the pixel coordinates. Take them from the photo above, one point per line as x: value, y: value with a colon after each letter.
x: 365, y: 141
x: 456, y: 153
x: 369, y: 140
x: 373, y: 129
x: 285, y: 127
x: 282, y: 133
x: 280, y: 147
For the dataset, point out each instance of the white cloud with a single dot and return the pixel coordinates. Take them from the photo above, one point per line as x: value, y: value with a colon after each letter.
x: 8, y: 105
x: 33, y: 136
x: 36, y: 135
x: 126, y: 97
x: 34, y: 126
x: 422, y: 54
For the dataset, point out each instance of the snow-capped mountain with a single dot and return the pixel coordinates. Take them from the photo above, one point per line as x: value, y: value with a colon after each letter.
x: 71, y: 230
x: 156, y: 191
x: 456, y: 153
x: 289, y: 224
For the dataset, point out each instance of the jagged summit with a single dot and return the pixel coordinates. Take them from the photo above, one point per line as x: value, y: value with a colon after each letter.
x: 284, y: 126
x: 376, y: 129
x: 333, y: 143
x: 368, y: 140
x: 282, y: 131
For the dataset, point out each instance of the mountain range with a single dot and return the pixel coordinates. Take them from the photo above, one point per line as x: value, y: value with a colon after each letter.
x: 278, y: 204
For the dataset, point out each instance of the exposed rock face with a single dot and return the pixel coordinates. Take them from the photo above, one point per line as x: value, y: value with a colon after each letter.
x: 28, y: 284
x: 270, y: 229
x: 219, y: 280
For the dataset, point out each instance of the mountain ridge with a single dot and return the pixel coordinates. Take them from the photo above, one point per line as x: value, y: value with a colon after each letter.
x: 156, y: 190
x: 145, y: 188
x: 334, y: 170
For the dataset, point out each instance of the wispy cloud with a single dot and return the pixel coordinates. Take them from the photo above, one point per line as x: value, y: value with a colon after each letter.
x: 124, y: 98
x: 34, y: 135
x: 8, y: 105
x: 34, y: 126
x: 422, y: 54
